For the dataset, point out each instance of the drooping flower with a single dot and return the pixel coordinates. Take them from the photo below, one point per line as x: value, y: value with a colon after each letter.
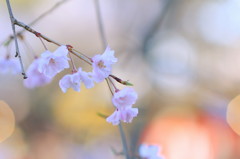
x: 35, y: 78
x: 150, y: 152
x: 74, y: 81
x: 53, y: 63
x: 9, y: 65
x: 70, y: 81
x: 124, y: 98
x: 126, y: 115
x: 102, y: 65
x: 123, y: 101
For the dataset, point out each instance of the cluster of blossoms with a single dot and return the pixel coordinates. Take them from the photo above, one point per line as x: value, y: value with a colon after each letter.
x: 123, y: 101
x: 43, y: 70
x: 150, y: 152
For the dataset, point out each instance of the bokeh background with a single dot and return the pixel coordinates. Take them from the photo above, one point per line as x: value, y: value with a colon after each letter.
x: 182, y: 57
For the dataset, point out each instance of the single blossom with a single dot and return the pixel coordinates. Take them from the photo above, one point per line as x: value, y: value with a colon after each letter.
x: 126, y: 115
x: 74, y: 81
x: 9, y: 65
x: 102, y: 65
x: 53, y: 63
x: 35, y: 78
x: 124, y: 98
x: 70, y: 81
x: 150, y: 152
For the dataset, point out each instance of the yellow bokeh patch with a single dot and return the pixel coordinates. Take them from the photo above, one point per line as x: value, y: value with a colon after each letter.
x: 233, y: 114
x: 7, y: 121
x: 77, y: 111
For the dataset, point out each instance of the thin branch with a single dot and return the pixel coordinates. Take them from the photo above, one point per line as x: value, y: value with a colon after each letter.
x: 44, y: 14
x: 115, y: 88
x: 121, y: 81
x: 100, y: 24
x: 47, y: 12
x: 109, y: 86
x: 31, y: 30
x: 74, y: 69
x: 124, y: 141
x: 13, y: 23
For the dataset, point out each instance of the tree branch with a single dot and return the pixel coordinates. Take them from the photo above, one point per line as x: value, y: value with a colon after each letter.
x: 44, y: 14
x: 73, y: 51
x: 13, y: 23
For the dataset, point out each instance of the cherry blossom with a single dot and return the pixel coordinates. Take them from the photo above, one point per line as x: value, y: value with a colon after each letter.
x: 53, y: 63
x: 70, y: 81
x: 102, y: 65
x: 35, y: 78
x: 114, y: 118
x: 126, y: 115
x: 74, y: 81
x: 123, y: 101
x: 9, y: 65
x: 124, y: 98
x: 150, y: 152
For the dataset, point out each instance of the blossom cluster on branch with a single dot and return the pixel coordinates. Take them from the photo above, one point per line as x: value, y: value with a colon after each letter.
x: 44, y: 68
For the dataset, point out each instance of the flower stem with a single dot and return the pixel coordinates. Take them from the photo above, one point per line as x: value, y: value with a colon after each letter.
x: 124, y: 141
x: 109, y: 86
x: 45, y: 47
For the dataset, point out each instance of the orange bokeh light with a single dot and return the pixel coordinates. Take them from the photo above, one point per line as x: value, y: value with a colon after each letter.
x: 191, y: 137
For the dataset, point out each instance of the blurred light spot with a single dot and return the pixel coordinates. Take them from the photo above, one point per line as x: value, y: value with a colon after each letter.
x: 219, y: 21
x: 233, y: 114
x: 173, y: 55
x: 77, y: 111
x: 190, y: 137
x: 7, y: 121
x: 172, y: 59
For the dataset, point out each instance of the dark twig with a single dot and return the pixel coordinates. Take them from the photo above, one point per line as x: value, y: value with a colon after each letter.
x: 44, y: 14
x: 28, y: 28
x: 13, y: 23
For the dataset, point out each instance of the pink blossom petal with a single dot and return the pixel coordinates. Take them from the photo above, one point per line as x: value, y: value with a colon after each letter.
x: 35, y: 78
x: 53, y: 63
x: 70, y: 81
x: 86, y: 78
x: 124, y: 98
x: 108, y: 55
x: 102, y: 65
x: 128, y: 114
x: 46, y: 54
x: 61, y: 51
x: 114, y: 118
x: 125, y: 115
